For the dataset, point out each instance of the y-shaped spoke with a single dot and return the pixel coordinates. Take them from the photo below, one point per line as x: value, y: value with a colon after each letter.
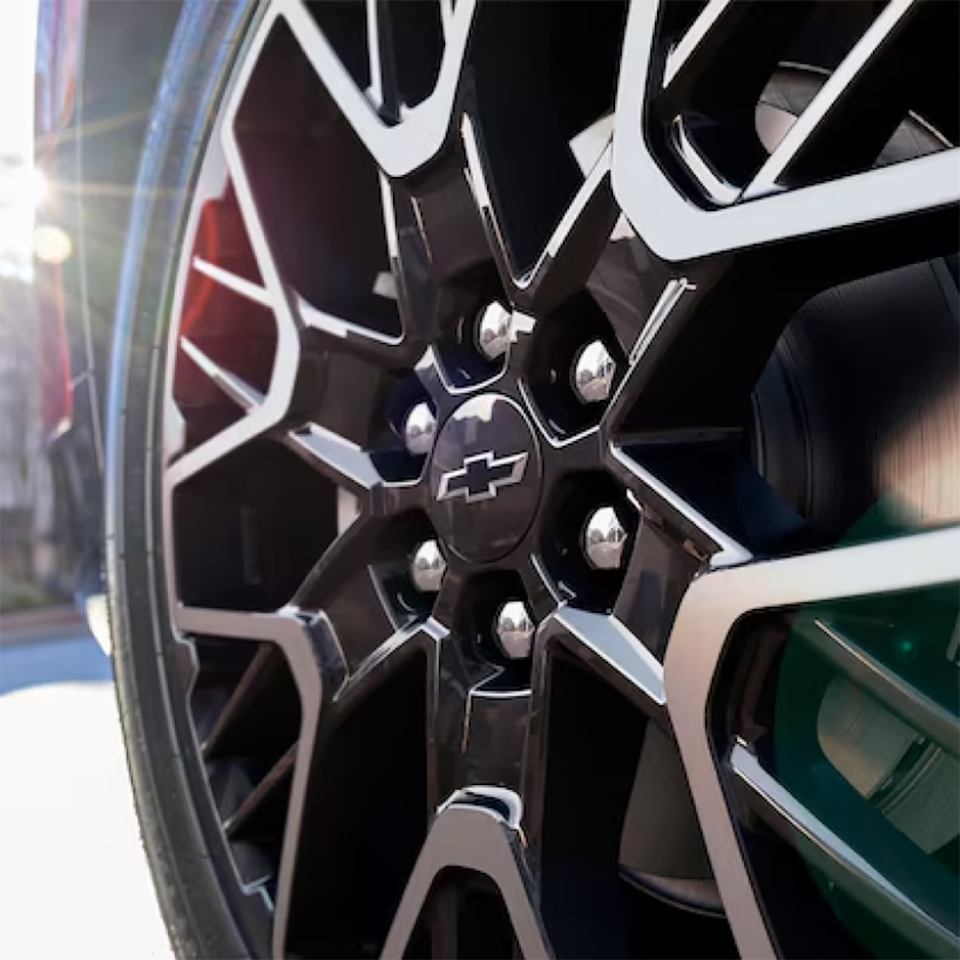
x: 707, y: 616
x: 477, y: 830
x: 574, y: 246
x: 343, y: 893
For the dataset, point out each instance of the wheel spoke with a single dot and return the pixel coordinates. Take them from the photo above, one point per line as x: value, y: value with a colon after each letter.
x: 609, y: 649
x: 413, y: 263
x: 597, y: 704
x: 829, y: 122
x: 681, y: 519
x: 408, y: 283
x: 925, y: 925
x: 275, y: 405
x: 397, y: 150
x: 241, y: 393
x: 677, y: 230
x: 386, y: 658
x: 729, y: 45
x: 343, y: 462
x: 574, y: 246
x: 302, y: 639
x: 317, y: 669
x: 473, y: 832
x: 380, y: 53
x: 232, y: 281
x: 335, y: 334
x: 377, y: 714
x: 257, y: 423
x: 579, y: 453
x: 494, y: 727
x: 367, y: 542
x: 906, y: 700
x: 434, y: 381
x: 658, y: 574
x: 445, y: 921
x: 687, y: 453
x: 540, y: 589
x: 691, y: 55
x: 459, y: 677
x: 278, y: 774
x: 675, y: 302
x: 243, y: 698
x: 450, y: 223
x: 719, y: 323
x: 711, y: 607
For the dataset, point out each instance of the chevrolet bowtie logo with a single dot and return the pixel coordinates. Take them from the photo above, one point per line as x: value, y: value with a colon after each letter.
x: 480, y: 477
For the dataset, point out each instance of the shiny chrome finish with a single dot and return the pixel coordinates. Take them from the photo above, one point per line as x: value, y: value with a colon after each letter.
x: 481, y: 476
x: 428, y: 567
x: 716, y: 189
x: 419, y: 429
x: 604, y: 539
x: 593, y: 373
x: 494, y: 330
x: 515, y: 629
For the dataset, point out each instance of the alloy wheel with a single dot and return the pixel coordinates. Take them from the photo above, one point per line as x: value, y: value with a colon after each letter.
x: 493, y: 539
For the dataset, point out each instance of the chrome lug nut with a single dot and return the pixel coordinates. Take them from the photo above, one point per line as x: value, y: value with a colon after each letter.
x: 604, y: 539
x: 428, y: 567
x: 493, y: 331
x: 419, y: 429
x: 593, y: 373
x: 515, y: 629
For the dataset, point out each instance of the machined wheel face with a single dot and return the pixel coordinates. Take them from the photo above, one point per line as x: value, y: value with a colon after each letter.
x: 560, y: 459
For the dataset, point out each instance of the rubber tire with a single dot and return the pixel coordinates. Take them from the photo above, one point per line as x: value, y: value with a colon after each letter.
x: 188, y: 872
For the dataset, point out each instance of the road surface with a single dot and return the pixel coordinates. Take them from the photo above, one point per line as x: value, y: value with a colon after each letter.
x: 74, y: 881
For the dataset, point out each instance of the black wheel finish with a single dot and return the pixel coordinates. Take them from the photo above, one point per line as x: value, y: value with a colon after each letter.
x: 516, y: 356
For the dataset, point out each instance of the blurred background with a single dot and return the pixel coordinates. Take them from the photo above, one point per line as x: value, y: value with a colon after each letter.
x: 74, y: 881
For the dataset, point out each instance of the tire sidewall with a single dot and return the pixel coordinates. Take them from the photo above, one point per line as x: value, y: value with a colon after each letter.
x: 191, y: 868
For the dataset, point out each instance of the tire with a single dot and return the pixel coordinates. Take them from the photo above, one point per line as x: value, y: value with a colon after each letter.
x: 187, y: 874
x: 424, y: 414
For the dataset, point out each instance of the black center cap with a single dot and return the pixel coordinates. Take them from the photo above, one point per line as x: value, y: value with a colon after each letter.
x: 485, y: 478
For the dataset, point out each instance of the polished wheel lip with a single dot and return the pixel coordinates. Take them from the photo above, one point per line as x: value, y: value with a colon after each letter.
x: 732, y: 582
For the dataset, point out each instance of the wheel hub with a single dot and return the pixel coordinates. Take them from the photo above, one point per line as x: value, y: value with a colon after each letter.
x: 485, y: 478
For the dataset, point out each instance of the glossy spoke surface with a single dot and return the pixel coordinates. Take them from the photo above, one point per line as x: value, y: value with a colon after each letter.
x: 537, y: 403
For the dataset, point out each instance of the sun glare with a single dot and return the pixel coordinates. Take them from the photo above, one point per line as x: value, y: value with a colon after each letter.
x: 21, y: 187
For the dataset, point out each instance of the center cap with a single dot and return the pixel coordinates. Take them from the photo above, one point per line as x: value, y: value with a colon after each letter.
x: 485, y: 478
